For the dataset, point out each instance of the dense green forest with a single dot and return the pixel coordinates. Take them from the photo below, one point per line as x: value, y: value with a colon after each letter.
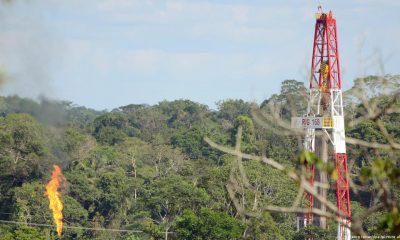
x: 145, y: 172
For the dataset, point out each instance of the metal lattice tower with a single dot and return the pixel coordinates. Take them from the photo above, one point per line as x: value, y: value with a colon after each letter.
x: 325, y: 115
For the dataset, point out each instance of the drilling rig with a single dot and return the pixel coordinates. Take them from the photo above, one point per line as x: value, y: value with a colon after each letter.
x: 325, y: 117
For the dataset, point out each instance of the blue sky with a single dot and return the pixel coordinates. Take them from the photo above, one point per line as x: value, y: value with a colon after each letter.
x: 108, y: 53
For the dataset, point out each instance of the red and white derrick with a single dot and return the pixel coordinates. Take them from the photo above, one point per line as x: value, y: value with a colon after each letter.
x: 325, y: 114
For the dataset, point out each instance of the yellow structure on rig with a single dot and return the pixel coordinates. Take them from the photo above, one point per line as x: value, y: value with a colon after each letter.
x: 324, y: 71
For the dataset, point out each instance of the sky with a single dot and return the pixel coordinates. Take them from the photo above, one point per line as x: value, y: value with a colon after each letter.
x: 104, y: 54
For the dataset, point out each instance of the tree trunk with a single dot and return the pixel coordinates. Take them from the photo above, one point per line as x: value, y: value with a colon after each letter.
x: 166, y: 233
x: 135, y: 181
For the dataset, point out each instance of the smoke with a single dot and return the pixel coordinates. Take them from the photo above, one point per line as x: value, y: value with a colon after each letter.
x: 26, y: 52
x: 3, y: 77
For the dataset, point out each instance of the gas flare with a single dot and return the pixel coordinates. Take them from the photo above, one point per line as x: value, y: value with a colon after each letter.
x: 54, y: 197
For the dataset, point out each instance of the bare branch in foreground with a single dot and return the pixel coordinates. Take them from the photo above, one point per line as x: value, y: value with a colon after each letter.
x: 335, y: 214
x: 354, y: 141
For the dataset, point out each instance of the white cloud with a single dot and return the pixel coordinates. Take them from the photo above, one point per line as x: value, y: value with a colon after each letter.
x: 142, y: 62
x: 188, y: 42
x: 189, y: 12
x: 241, y: 13
x: 379, y: 2
x: 110, y: 5
x: 189, y: 66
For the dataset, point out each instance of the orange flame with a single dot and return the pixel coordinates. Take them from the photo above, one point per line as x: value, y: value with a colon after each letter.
x: 54, y: 197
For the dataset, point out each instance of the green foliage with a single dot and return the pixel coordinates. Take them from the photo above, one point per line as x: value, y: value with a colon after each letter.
x: 81, y: 117
x: 23, y: 153
x: 192, y: 143
x: 312, y: 232
x: 275, y: 188
x: 208, y: 224
x: 368, y: 131
x: 168, y: 197
x: 291, y: 99
x: 72, y: 139
x: 232, y: 108
x: 150, y: 121
x: 114, y: 188
x: 373, y: 86
x: 384, y: 173
x: 131, y: 237
x: 391, y: 221
x: 82, y: 189
x: 25, y: 233
x: 210, y: 177
x: 309, y: 158
x: 371, y: 221
x: 31, y: 204
x: 147, y: 168
x: 112, y: 128
x: 183, y: 113
x: 74, y: 212
x: 110, y: 135
x: 264, y: 227
x: 101, y: 158
x: 381, y: 170
x: 21, y: 138
x: 248, y: 144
